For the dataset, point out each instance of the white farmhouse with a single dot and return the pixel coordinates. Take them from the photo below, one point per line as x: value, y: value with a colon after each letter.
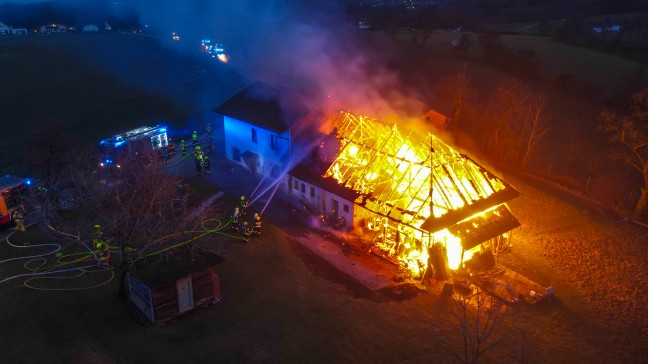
x: 257, y: 123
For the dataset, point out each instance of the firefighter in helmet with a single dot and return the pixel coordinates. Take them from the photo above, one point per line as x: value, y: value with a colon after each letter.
x: 235, y: 219
x: 245, y: 231
x: 209, y: 130
x: 194, y: 137
x: 206, y: 164
x: 101, y: 247
x: 183, y: 147
x: 257, y: 225
x: 19, y: 219
x: 244, y: 205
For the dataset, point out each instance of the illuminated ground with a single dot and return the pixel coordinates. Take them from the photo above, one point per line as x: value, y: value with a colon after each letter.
x: 284, y: 304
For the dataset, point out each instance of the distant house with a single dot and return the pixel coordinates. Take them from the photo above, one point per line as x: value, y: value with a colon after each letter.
x: 53, y: 28
x: 257, y: 123
x: 5, y: 29
x: 19, y: 31
x: 90, y: 28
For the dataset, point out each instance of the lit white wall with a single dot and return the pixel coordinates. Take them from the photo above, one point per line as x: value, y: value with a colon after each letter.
x: 238, y: 134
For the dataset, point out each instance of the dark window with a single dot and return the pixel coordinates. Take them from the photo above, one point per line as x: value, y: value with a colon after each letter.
x: 274, y: 142
x: 312, y: 191
x: 255, y: 138
x: 303, y: 188
x: 296, y: 184
x: 345, y: 208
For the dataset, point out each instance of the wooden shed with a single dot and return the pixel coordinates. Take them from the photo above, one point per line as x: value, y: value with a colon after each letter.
x: 166, y: 285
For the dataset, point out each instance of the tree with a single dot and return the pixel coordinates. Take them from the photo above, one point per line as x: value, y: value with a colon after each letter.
x: 516, y: 124
x: 628, y: 138
x: 456, y: 88
x: 479, y: 321
x: 138, y: 205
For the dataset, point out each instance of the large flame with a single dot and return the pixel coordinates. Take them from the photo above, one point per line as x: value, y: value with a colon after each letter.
x: 407, y: 182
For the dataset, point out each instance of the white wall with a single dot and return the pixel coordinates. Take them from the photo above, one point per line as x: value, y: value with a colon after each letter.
x: 319, y: 200
x: 238, y: 134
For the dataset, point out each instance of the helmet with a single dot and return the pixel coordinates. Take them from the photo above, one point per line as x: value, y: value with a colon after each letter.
x: 195, y: 131
x: 197, y: 147
x: 236, y: 209
x: 182, y: 141
x: 242, y: 198
x: 258, y: 218
x: 245, y: 223
x: 98, y: 226
x: 206, y: 157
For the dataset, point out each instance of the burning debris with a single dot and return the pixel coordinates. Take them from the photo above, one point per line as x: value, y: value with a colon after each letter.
x: 415, y: 192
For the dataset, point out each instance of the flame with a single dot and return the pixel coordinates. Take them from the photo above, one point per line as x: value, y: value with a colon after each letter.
x: 408, y: 182
x: 222, y: 57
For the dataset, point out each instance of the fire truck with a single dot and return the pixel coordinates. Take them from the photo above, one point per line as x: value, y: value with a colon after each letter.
x: 13, y: 191
x: 123, y: 147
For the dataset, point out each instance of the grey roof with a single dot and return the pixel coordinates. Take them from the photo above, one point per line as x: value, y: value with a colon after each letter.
x: 170, y: 265
x: 311, y: 175
x: 271, y: 107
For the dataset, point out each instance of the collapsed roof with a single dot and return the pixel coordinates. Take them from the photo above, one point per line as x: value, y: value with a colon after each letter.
x: 426, y: 185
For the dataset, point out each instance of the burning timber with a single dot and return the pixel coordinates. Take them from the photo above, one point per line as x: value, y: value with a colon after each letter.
x: 425, y: 206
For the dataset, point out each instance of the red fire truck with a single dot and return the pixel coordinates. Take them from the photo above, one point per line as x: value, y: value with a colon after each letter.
x: 13, y: 191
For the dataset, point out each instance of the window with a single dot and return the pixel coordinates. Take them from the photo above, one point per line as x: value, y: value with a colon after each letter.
x: 312, y: 192
x: 303, y: 188
x: 345, y: 208
x: 296, y: 184
x: 236, y: 154
x: 255, y: 138
x: 274, y: 142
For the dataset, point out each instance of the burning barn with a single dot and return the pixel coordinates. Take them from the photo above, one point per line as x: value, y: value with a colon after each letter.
x: 423, y: 204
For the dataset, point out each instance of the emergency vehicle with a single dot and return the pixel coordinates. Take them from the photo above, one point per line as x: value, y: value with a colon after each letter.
x: 122, y: 147
x: 13, y: 191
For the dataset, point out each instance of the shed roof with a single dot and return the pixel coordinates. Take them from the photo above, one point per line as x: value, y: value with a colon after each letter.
x: 311, y: 175
x: 271, y: 107
x: 162, y: 268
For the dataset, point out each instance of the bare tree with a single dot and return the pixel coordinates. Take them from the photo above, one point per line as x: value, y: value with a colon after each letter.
x: 535, y: 126
x: 479, y: 321
x: 457, y: 89
x: 628, y: 137
x: 144, y: 206
x: 516, y: 124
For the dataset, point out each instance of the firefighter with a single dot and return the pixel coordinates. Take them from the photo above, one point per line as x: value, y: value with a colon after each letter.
x: 244, y: 205
x: 209, y: 130
x: 236, y: 225
x: 206, y: 164
x: 245, y: 231
x: 19, y: 220
x: 194, y: 136
x: 198, y: 162
x: 170, y: 149
x: 101, y: 247
x: 257, y: 225
x: 183, y: 147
